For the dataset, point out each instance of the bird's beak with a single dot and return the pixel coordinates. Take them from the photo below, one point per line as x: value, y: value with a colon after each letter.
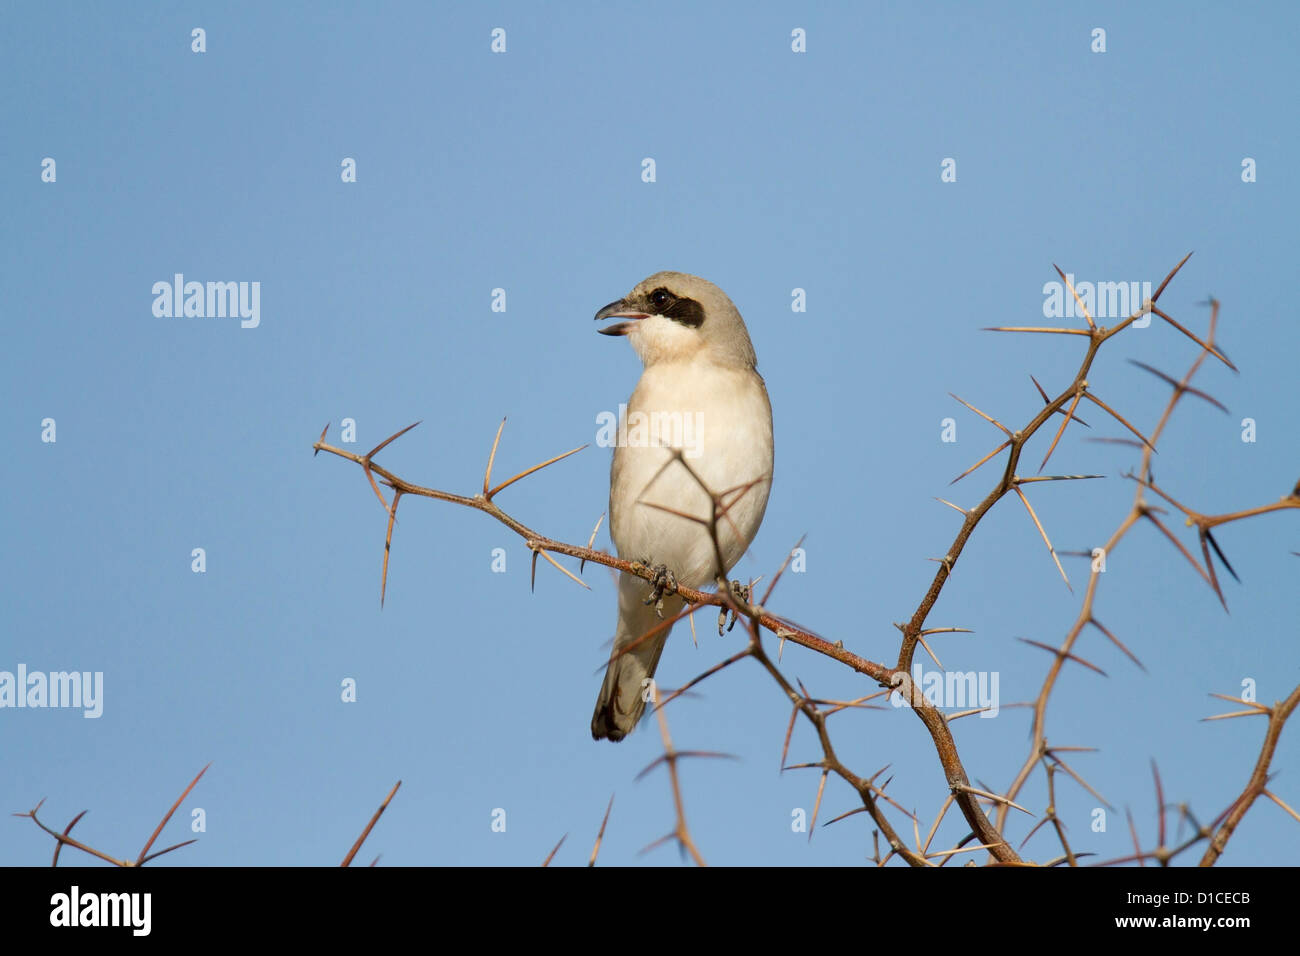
x: 619, y: 310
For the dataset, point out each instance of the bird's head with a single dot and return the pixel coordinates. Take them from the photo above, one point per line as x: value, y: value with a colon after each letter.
x: 673, y: 316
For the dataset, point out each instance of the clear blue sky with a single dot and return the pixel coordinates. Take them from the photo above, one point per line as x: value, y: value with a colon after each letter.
x: 522, y: 171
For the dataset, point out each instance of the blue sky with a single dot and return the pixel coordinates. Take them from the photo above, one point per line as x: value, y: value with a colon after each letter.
x: 775, y: 170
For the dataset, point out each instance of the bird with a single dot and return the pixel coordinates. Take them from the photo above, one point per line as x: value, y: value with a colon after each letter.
x: 699, y: 413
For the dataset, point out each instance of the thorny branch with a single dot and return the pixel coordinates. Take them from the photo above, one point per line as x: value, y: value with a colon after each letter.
x: 63, y: 839
x: 1141, y: 510
x: 347, y: 860
x: 1278, y: 715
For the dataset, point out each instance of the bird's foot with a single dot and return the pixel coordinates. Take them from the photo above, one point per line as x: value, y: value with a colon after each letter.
x: 741, y: 594
x: 664, y: 582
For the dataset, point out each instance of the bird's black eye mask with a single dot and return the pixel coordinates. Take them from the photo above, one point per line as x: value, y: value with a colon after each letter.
x: 686, y: 311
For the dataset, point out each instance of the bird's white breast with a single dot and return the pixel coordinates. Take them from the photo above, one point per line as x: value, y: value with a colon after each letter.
x: 721, y: 420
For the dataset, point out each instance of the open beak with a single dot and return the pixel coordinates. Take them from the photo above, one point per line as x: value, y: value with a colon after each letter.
x: 620, y: 310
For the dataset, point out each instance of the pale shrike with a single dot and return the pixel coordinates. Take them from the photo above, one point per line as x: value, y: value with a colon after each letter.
x: 700, y: 392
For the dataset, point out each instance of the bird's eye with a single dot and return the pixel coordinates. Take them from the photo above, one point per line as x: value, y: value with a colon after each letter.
x: 661, y: 298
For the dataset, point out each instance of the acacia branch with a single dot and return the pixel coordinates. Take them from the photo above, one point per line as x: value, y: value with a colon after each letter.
x: 1278, y: 715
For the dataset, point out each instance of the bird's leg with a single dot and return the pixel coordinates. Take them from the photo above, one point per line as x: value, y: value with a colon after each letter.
x: 665, y: 582
x: 740, y: 593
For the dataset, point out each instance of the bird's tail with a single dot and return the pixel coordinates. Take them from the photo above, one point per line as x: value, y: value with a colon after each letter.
x: 625, y: 692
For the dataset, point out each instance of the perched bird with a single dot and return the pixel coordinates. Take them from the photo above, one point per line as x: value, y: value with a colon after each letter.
x: 699, y: 393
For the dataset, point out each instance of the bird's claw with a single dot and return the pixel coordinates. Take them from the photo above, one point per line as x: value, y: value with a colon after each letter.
x: 665, y: 582
x: 740, y: 593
